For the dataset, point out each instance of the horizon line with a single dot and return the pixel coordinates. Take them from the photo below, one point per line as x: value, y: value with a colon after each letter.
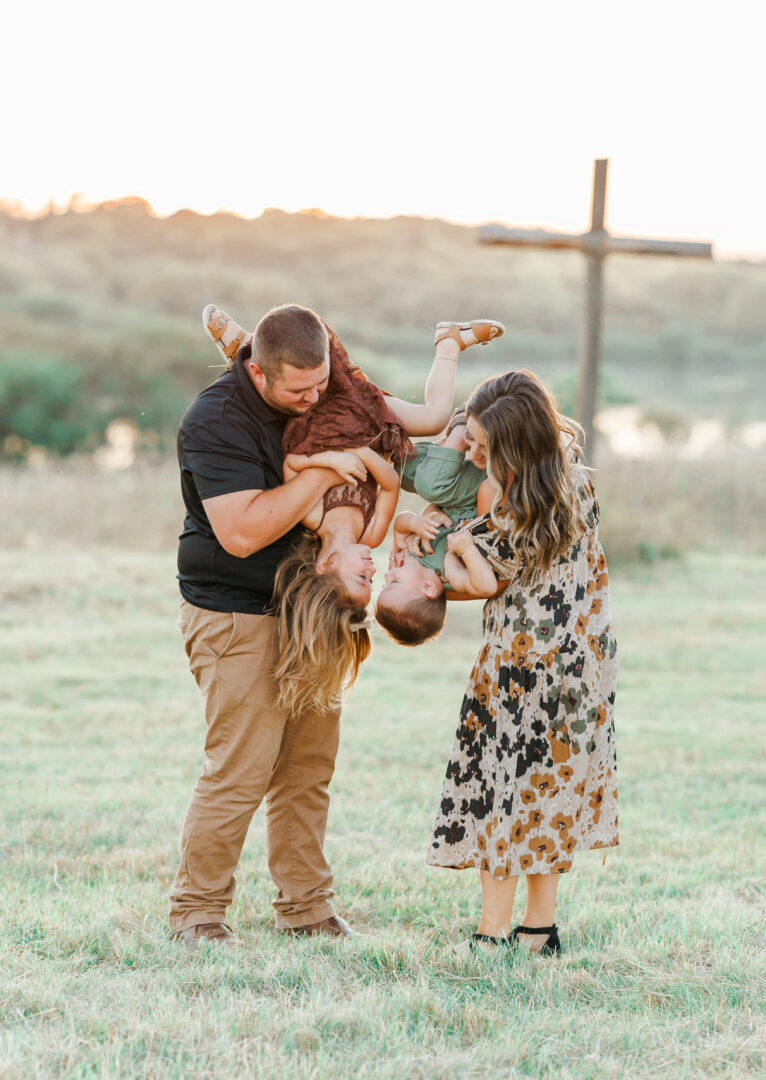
x: 79, y: 204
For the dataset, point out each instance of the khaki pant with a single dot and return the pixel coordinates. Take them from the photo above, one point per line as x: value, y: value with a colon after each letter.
x: 252, y: 750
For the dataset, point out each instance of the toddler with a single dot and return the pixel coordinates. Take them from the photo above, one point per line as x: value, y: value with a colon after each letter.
x: 431, y: 552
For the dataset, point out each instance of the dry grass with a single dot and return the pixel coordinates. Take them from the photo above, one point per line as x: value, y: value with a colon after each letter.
x: 650, y: 509
x: 663, y: 974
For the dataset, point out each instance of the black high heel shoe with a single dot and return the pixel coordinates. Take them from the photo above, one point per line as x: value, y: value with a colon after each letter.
x: 487, y: 939
x: 551, y: 947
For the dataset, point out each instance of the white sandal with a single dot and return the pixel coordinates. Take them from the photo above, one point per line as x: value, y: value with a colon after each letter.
x: 475, y: 332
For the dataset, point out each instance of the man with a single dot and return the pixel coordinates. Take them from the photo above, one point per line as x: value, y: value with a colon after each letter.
x: 241, y: 519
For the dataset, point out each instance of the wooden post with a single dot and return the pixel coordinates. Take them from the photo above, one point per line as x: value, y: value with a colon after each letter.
x: 595, y: 244
x: 590, y: 343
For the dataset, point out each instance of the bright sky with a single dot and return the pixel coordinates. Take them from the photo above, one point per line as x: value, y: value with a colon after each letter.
x: 489, y: 110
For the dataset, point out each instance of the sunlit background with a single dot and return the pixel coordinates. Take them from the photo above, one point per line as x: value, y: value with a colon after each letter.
x: 394, y: 127
x: 117, y: 117
x: 487, y: 111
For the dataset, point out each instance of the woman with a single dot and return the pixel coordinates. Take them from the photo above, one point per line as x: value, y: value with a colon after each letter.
x: 532, y: 773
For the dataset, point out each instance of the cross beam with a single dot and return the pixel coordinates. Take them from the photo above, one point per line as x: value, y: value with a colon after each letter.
x: 595, y: 244
x: 600, y: 243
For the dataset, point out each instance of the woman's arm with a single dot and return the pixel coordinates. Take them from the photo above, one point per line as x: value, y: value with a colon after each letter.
x: 451, y: 594
x: 484, y: 497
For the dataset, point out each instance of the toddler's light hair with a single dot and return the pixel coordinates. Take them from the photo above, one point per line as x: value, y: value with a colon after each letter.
x: 413, y: 622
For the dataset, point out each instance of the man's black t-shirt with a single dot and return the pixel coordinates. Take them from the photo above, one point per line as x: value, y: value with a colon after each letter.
x: 229, y: 440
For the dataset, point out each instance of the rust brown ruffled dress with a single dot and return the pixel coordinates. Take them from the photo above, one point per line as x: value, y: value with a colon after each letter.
x: 351, y: 412
x: 532, y: 775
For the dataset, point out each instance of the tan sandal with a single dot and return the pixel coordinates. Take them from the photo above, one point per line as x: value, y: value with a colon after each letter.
x: 227, y: 335
x: 475, y: 332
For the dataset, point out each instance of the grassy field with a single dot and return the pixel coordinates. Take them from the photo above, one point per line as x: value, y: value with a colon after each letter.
x: 663, y: 972
x: 100, y: 315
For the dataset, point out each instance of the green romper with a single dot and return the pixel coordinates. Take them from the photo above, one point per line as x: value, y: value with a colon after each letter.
x: 442, y: 476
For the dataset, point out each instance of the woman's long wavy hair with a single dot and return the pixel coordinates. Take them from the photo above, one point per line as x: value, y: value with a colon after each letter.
x: 531, y: 451
x: 321, y: 640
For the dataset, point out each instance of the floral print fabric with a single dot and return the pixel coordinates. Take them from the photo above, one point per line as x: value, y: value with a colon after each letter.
x: 532, y: 775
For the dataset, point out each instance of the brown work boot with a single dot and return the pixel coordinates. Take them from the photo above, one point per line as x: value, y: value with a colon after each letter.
x: 217, y: 933
x: 334, y: 927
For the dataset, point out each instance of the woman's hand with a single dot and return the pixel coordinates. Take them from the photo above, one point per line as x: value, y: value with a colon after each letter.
x: 396, y: 557
x: 460, y: 542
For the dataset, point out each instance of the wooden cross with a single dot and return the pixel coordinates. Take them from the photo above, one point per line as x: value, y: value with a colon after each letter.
x: 596, y: 245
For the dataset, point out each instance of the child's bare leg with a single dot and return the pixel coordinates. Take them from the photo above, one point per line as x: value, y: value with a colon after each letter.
x: 432, y: 417
x: 451, y: 338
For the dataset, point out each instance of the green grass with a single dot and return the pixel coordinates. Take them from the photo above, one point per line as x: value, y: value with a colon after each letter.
x: 101, y: 739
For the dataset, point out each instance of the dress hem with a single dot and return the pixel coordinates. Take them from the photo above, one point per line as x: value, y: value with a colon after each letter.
x: 474, y: 864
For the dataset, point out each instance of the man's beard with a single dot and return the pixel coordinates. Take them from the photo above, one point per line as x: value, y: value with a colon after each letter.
x: 277, y: 407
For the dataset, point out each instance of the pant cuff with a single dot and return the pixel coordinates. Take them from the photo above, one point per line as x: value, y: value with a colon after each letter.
x: 194, y: 918
x: 315, y: 914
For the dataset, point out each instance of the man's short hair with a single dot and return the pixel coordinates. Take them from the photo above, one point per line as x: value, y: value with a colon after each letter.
x: 289, y: 334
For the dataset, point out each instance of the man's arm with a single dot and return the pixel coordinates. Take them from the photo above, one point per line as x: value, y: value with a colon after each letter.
x: 246, y: 521
x: 346, y: 463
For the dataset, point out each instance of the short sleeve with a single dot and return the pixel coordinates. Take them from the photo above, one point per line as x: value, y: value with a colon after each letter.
x: 220, y: 467
x: 495, y: 545
x: 410, y: 466
x: 439, y: 474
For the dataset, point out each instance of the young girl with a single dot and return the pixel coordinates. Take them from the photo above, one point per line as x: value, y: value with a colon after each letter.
x: 532, y: 774
x: 323, y: 587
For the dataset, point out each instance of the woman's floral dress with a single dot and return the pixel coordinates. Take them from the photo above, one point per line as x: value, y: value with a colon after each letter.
x: 532, y: 775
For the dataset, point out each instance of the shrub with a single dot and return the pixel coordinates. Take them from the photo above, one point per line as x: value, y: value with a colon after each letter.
x: 42, y: 402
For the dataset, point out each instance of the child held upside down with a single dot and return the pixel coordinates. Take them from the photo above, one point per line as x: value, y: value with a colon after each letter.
x: 451, y: 476
x: 324, y: 585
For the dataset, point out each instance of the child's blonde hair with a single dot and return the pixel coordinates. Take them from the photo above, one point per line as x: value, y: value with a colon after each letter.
x: 321, y: 637
x: 415, y: 622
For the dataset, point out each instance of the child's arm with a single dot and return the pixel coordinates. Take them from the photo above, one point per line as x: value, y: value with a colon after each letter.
x: 387, y: 479
x: 346, y: 463
x: 400, y: 538
x: 466, y: 569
